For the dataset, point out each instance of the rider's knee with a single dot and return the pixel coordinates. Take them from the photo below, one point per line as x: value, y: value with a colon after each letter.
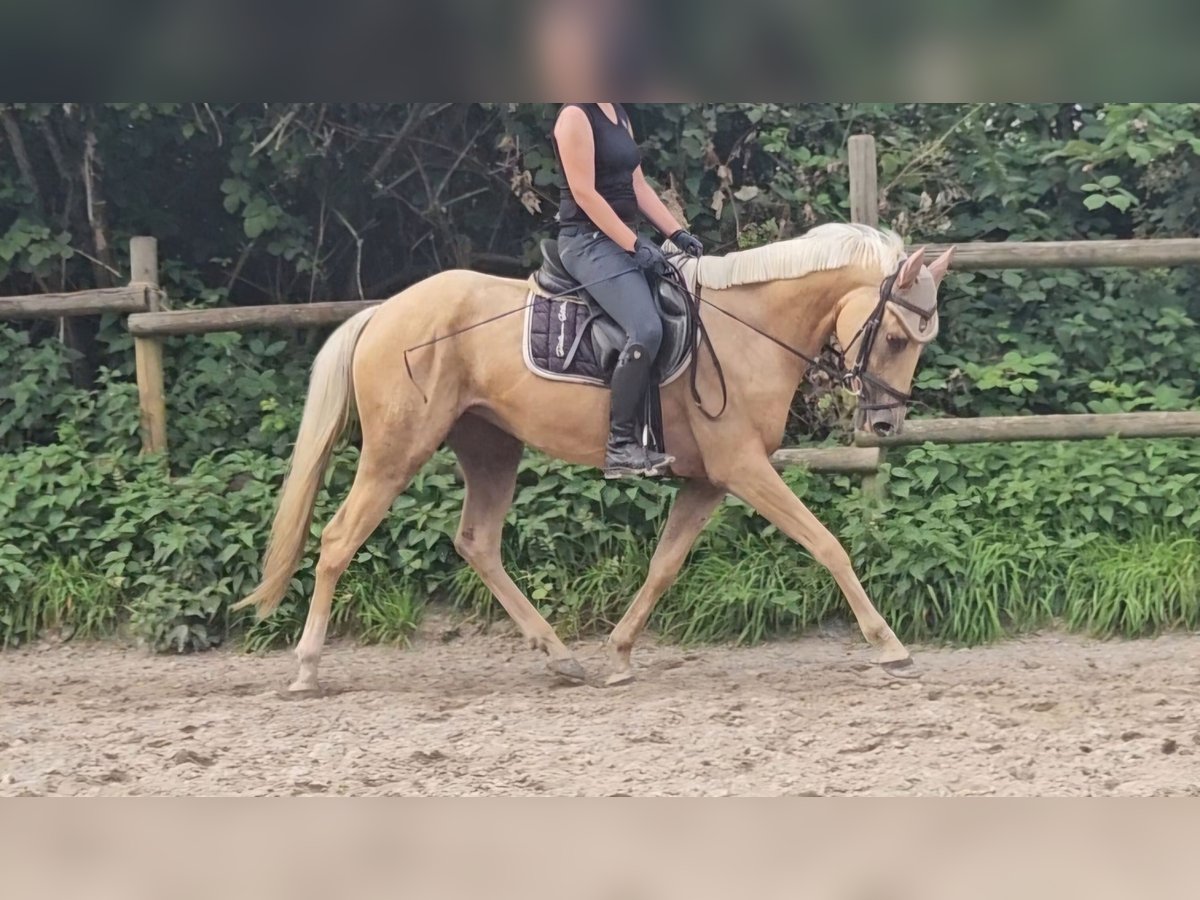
x: 649, y: 334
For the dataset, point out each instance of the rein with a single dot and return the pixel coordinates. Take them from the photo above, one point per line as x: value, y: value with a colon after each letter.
x: 853, y: 378
x: 699, y: 335
x: 497, y: 317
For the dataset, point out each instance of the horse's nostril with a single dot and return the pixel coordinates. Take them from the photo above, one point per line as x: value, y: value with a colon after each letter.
x: 883, y: 429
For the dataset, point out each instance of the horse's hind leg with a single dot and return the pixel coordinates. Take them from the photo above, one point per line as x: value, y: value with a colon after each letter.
x: 489, y: 458
x: 363, y: 509
x: 393, y: 450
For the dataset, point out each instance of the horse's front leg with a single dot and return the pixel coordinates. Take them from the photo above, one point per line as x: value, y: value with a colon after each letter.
x: 689, y: 514
x: 757, y: 483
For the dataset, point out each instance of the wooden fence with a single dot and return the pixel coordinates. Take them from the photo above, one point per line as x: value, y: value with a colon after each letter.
x: 150, y: 324
x: 141, y: 295
x: 982, y: 255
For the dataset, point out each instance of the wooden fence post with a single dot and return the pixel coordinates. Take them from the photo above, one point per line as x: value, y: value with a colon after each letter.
x: 864, y: 181
x: 148, y: 351
x: 864, y: 209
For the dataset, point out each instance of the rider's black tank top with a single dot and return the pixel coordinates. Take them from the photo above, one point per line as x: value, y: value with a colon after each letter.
x: 617, y: 156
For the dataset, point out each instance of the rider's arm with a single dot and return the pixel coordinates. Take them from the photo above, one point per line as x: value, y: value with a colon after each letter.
x: 652, y: 206
x: 577, y: 150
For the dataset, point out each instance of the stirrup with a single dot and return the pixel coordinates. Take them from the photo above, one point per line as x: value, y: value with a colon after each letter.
x: 629, y: 460
x: 612, y: 473
x: 660, y: 468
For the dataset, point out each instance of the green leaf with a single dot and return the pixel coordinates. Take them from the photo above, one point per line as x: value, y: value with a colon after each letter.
x: 255, y: 225
x: 1094, y: 201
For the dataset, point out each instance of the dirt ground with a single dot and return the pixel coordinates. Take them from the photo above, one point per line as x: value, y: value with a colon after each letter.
x: 477, y: 714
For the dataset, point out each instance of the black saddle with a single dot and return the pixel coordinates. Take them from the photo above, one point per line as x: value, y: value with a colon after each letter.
x: 577, y: 340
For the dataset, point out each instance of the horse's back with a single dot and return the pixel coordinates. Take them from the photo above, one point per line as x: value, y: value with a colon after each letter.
x: 443, y: 322
x: 454, y: 286
x: 454, y: 298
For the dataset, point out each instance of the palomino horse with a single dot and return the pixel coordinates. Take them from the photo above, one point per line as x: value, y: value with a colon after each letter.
x: 768, y: 311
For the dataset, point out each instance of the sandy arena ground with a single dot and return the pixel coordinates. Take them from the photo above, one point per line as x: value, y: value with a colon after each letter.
x: 477, y: 714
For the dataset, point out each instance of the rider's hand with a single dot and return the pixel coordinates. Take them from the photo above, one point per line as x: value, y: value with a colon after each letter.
x: 688, y: 243
x: 648, y: 257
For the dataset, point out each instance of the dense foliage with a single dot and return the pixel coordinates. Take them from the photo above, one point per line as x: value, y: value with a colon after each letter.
x: 265, y: 203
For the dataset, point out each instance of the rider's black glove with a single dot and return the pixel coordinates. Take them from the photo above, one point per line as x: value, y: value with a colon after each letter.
x: 688, y: 243
x: 648, y: 257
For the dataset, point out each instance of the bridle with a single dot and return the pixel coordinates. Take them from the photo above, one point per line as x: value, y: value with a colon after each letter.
x: 857, y: 375
x: 854, y: 378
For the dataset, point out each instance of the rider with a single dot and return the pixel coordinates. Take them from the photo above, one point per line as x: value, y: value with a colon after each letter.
x: 603, y: 192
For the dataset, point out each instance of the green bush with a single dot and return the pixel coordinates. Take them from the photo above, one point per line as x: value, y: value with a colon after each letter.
x: 35, y: 390
x: 969, y: 544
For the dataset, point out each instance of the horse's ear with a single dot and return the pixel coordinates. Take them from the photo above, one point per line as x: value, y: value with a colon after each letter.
x: 911, y: 268
x: 939, y: 266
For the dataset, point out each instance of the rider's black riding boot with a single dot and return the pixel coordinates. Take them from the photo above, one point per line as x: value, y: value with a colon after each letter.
x: 625, y: 454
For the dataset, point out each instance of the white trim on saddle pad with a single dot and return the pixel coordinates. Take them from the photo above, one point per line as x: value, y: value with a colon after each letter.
x: 526, y: 335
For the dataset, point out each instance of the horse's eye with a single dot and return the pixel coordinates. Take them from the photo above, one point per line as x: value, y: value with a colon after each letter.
x: 897, y: 342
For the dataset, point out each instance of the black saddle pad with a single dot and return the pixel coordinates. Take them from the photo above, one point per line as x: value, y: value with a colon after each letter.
x: 568, y: 337
x: 554, y: 344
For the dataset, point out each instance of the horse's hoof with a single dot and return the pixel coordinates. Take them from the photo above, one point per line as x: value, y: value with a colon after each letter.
x: 568, y: 669
x: 901, y: 668
x: 619, y: 678
x: 302, y: 686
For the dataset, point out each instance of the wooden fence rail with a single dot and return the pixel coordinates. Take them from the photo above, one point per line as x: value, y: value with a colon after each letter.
x: 830, y: 460
x: 128, y: 299
x: 244, y: 318
x: 1072, y: 427
x: 140, y: 295
x: 1141, y: 253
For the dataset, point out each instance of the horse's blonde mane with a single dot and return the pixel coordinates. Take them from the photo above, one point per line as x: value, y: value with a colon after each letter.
x: 825, y: 247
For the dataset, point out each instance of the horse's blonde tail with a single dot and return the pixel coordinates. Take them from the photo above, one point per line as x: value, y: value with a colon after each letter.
x: 327, y: 412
